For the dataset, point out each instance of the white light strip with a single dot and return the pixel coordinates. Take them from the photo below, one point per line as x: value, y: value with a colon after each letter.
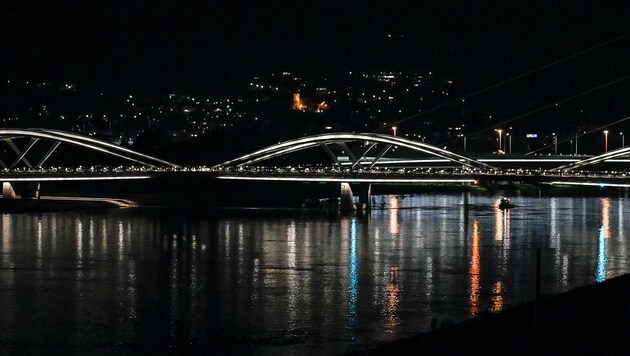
x: 49, y: 179
x: 394, y: 161
x: 591, y: 184
x: 552, y: 160
x: 349, y: 180
x: 507, y: 160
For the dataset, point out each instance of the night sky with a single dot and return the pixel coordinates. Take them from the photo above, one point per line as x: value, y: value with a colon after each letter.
x: 213, y: 46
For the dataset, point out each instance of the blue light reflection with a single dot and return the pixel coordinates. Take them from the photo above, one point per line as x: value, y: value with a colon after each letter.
x: 353, y: 275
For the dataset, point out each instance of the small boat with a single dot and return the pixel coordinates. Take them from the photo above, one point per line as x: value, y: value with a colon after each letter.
x: 505, y: 204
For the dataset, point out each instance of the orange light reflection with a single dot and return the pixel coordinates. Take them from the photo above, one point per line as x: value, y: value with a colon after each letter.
x: 393, y: 292
x: 394, y: 203
x: 497, y: 297
x: 605, y: 216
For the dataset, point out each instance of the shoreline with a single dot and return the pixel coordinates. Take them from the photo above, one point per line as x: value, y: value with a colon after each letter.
x: 587, y: 319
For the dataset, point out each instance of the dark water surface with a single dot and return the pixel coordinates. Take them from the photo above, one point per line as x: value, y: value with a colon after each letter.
x: 134, y: 281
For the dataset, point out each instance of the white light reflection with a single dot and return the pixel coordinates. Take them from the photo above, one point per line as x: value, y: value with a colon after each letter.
x: 255, y: 278
x: 498, y: 221
x: 92, y: 238
x: 121, y: 240
x: 378, y: 270
x: 292, y: 280
x: 227, y: 240
x: 474, y: 270
x: 620, y: 221
x: 428, y: 291
x: 79, y: 236
x: 507, y: 218
x: 7, y: 232
x: 554, y: 235
x: 104, y: 234
x: 240, y: 250
x: 53, y: 234
x: 39, y: 242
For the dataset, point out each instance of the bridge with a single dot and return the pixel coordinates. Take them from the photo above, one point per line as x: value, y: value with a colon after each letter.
x: 353, y: 158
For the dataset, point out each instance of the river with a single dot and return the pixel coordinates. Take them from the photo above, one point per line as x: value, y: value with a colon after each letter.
x: 134, y: 281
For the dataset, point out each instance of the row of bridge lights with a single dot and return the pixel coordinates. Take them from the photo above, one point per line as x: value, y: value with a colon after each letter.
x: 555, y: 140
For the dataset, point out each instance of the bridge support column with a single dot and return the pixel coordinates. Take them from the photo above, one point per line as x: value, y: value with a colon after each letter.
x: 347, y: 203
x: 365, y: 196
x: 7, y: 191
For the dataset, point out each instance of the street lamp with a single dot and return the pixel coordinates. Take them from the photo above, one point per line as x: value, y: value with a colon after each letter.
x: 394, y: 129
x: 510, y: 141
x: 499, y: 131
x: 555, y: 144
x: 605, y: 140
x: 623, y: 144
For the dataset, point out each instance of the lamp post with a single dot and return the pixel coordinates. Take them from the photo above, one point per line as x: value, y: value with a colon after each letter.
x: 555, y: 144
x: 499, y: 131
x: 509, y: 142
x: 623, y: 144
x: 605, y: 141
x: 394, y: 128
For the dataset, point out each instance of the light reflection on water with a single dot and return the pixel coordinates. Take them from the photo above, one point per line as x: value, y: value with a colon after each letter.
x: 290, y: 283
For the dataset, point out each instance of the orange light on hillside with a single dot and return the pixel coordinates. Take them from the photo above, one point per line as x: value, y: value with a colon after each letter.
x: 298, y: 103
x: 322, y: 106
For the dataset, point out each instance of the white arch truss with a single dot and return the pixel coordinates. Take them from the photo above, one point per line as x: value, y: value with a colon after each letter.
x: 58, y: 137
x: 620, y: 152
x: 342, y: 139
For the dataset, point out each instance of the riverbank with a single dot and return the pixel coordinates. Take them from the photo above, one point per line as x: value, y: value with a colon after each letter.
x: 58, y: 203
x: 593, y: 319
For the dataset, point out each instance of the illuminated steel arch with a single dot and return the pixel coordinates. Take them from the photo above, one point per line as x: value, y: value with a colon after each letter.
x: 341, y: 139
x: 620, y: 152
x: 58, y: 137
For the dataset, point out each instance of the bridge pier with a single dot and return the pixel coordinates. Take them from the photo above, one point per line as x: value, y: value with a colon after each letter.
x: 365, y: 196
x: 8, y: 192
x: 12, y: 190
x: 347, y: 199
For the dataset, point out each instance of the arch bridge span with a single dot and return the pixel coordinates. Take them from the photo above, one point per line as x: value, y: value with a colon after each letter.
x: 610, y: 155
x: 57, y: 137
x: 376, y: 144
